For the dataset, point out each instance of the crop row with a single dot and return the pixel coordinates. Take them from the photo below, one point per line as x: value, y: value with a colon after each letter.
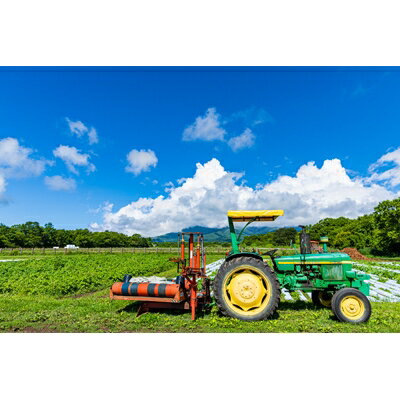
x: 383, y: 272
x: 65, y: 275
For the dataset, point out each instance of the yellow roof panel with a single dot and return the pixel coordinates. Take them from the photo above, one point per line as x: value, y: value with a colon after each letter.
x: 257, y: 215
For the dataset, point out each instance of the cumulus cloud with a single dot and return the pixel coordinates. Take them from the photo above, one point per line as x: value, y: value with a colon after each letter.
x: 311, y: 194
x: 80, y: 129
x: 245, y: 140
x: 390, y: 161
x: 73, y: 157
x: 58, y: 183
x: 16, y: 160
x: 140, y: 161
x: 207, y: 127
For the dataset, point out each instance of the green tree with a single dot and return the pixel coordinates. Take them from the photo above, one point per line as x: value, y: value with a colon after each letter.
x: 347, y: 239
x: 284, y: 236
x: 49, y: 235
x: 327, y: 227
x: 83, y: 238
x: 387, y: 224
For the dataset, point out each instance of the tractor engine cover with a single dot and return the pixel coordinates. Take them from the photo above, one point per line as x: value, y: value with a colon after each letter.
x: 332, y: 272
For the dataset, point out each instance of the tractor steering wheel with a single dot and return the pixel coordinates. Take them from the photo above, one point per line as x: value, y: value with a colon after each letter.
x: 271, y: 252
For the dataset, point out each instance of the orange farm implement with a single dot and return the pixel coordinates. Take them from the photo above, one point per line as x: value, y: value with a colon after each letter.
x: 189, y: 290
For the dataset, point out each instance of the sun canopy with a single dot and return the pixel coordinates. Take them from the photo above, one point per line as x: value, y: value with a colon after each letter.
x: 256, y: 215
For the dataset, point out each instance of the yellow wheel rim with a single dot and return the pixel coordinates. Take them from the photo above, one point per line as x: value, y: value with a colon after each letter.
x: 323, y: 300
x: 247, y: 290
x: 352, y: 307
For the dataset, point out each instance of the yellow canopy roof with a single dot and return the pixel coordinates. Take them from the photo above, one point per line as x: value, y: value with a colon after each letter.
x: 257, y: 215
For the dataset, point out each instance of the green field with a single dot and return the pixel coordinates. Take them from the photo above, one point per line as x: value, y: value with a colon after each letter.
x: 70, y: 294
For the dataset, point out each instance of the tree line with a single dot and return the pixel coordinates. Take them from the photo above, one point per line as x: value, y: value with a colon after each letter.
x: 32, y: 234
x: 376, y: 233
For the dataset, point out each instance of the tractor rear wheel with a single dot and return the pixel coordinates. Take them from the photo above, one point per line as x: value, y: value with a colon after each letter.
x: 350, y: 305
x: 246, y: 289
x: 322, y: 298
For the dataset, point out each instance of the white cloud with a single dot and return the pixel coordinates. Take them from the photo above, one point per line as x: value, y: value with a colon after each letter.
x: 312, y: 194
x: 77, y: 127
x: 16, y: 160
x: 245, y: 140
x: 210, y: 127
x: 390, y: 176
x: 207, y: 127
x: 80, y: 129
x: 3, y: 185
x: 73, y: 157
x: 57, y: 183
x: 104, y: 207
x: 92, y: 135
x: 140, y: 161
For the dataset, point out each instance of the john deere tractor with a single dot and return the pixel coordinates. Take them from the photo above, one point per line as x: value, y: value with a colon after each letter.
x: 248, y: 287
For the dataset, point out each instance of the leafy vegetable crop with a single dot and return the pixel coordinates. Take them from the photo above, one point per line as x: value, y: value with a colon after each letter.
x: 76, y: 274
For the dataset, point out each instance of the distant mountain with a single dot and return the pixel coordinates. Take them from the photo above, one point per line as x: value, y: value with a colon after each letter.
x: 213, y: 234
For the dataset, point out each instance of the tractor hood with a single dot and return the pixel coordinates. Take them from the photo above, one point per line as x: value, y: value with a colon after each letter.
x: 320, y: 258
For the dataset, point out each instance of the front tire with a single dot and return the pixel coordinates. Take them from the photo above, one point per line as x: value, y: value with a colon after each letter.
x: 246, y: 289
x: 322, y: 298
x: 350, y: 305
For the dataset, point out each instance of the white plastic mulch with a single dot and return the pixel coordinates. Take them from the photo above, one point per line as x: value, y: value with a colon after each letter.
x: 152, y: 279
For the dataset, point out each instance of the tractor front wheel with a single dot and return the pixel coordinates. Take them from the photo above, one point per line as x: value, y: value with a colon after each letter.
x: 350, y: 305
x: 322, y: 298
x: 246, y: 289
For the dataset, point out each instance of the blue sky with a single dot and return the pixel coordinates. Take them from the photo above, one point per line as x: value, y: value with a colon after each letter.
x: 259, y: 125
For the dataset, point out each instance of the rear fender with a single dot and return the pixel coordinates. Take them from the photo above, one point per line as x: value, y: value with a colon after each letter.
x: 254, y: 255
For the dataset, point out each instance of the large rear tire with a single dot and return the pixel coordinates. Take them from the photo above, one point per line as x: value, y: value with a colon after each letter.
x: 246, y: 289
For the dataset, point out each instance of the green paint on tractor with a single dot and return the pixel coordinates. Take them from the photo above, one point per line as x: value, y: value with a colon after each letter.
x: 323, y: 271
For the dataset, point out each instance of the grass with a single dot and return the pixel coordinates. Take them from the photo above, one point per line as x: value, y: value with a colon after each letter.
x: 96, y: 313
x: 77, y: 301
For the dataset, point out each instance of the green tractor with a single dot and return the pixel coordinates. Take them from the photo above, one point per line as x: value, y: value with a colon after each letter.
x: 248, y: 288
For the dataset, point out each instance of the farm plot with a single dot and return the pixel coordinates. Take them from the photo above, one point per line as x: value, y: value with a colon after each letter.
x: 71, y: 294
